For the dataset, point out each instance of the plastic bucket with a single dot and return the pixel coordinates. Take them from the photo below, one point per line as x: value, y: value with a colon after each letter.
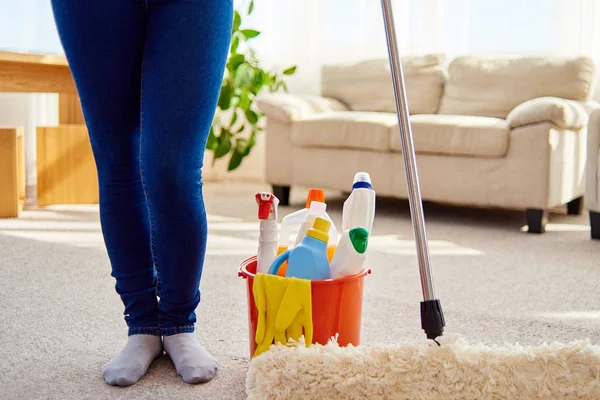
x: 336, y: 307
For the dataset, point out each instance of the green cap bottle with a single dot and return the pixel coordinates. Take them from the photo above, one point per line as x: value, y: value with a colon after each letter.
x: 360, y: 239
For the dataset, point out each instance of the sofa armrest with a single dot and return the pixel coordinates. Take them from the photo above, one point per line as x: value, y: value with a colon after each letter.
x: 594, y: 131
x: 592, y: 170
x: 562, y: 113
x: 286, y: 107
x: 590, y: 106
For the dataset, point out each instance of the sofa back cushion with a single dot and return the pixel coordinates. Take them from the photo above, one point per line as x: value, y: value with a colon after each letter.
x: 493, y: 86
x: 367, y: 85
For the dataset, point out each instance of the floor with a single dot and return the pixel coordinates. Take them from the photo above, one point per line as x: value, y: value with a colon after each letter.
x: 62, y: 321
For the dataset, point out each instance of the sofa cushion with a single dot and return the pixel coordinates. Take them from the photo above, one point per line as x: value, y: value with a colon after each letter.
x: 456, y: 135
x: 351, y: 130
x: 493, y: 86
x: 287, y: 107
x: 367, y: 85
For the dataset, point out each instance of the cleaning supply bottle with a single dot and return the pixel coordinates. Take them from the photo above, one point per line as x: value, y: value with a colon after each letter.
x: 309, y: 259
x: 359, y: 208
x: 267, y: 240
x: 291, y: 223
x: 316, y: 209
x: 350, y: 255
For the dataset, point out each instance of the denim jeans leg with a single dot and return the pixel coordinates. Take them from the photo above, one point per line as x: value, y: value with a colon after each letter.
x: 184, y: 60
x: 103, y: 42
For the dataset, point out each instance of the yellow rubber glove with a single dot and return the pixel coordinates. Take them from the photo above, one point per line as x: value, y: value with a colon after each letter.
x: 295, y: 311
x: 268, y: 290
x: 260, y: 299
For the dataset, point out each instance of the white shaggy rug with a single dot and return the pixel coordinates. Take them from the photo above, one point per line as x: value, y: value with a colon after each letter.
x: 456, y: 370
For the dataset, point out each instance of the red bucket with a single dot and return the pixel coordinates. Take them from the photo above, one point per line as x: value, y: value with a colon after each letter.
x: 336, y: 307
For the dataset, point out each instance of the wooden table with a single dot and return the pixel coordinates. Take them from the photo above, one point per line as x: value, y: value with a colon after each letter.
x: 66, y: 173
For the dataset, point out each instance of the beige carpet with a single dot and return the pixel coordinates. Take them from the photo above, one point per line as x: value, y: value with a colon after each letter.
x: 61, y: 320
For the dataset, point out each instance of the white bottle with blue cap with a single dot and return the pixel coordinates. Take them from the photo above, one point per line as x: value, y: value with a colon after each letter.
x: 359, y: 208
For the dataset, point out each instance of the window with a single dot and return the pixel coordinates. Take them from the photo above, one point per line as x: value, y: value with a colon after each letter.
x: 28, y: 26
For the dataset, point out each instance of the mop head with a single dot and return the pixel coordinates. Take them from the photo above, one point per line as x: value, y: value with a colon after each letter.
x: 456, y: 370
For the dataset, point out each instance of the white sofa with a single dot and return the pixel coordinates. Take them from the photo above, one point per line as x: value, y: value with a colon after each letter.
x: 592, y: 185
x: 488, y: 131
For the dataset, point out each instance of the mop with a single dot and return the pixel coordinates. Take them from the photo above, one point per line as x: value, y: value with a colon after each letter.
x: 443, y: 368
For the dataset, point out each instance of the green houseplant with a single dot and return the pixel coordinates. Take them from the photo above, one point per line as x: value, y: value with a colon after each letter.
x: 237, y: 120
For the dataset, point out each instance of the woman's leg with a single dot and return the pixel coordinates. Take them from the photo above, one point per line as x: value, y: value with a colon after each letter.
x: 184, y: 61
x: 104, y: 41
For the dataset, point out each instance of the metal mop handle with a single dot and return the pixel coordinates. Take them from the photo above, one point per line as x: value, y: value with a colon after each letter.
x: 432, y: 317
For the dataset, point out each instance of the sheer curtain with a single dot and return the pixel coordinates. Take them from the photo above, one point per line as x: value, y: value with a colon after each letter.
x: 579, y: 31
x: 311, y: 33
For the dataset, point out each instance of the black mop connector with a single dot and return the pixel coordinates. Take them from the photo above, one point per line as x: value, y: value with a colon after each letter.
x: 432, y: 319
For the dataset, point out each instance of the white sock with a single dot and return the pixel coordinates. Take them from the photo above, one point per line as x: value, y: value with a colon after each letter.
x: 133, y: 361
x: 193, y: 363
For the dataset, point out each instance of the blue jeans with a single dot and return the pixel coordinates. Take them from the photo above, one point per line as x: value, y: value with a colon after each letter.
x: 148, y: 73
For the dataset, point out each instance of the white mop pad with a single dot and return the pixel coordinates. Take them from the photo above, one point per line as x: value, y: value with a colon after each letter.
x: 456, y: 370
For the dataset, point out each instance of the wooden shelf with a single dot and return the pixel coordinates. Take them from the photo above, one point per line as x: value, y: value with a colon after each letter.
x: 12, y: 172
x: 66, y: 171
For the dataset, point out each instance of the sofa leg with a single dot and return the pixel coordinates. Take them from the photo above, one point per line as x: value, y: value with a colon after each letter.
x: 575, y: 207
x: 595, y: 224
x: 283, y: 194
x: 536, y: 220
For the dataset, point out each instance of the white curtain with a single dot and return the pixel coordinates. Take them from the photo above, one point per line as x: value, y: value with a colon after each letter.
x: 311, y: 33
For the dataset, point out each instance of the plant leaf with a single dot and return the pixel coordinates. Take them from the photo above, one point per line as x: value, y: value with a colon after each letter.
x: 268, y: 79
x: 235, y: 160
x: 224, y: 145
x: 241, y: 146
x: 244, y: 75
x: 259, y: 81
x: 212, y: 143
x: 252, y: 139
x: 242, y: 149
x: 251, y: 7
x: 290, y: 70
x: 234, y: 118
x: 237, y: 21
x: 235, y: 44
x: 251, y: 116
x: 225, y: 96
x: 235, y: 61
x: 245, y: 101
x: 249, y: 33
x: 241, y: 129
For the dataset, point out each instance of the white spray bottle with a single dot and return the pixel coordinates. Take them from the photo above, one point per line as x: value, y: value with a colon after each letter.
x: 268, y: 238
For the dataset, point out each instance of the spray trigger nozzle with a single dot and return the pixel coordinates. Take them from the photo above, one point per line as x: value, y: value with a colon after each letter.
x: 267, y: 205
